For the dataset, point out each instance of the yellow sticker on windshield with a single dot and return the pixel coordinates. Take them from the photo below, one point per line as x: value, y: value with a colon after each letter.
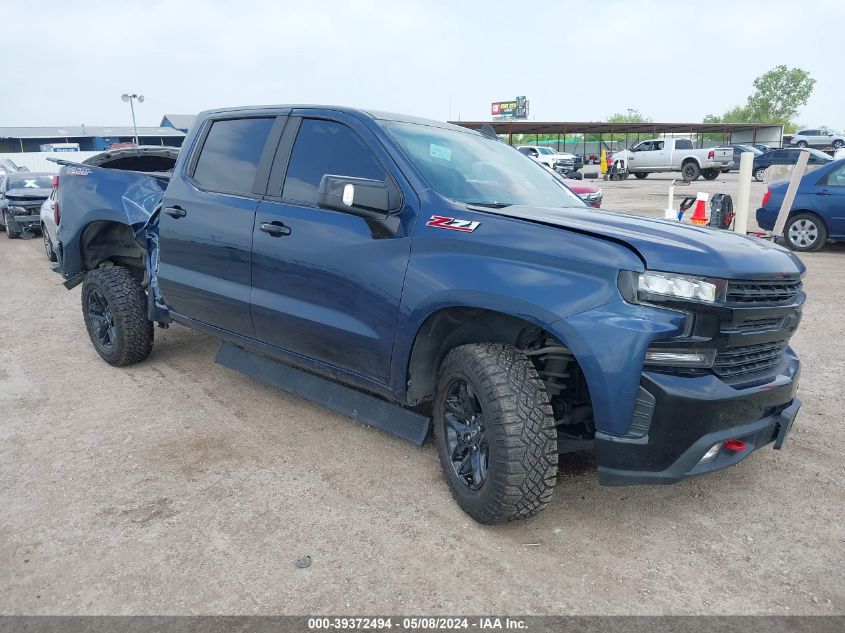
x: 438, y: 151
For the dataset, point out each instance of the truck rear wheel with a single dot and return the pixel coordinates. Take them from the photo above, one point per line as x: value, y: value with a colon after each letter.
x: 710, y: 174
x: 690, y: 171
x: 114, y: 306
x: 641, y: 174
x: 495, y: 433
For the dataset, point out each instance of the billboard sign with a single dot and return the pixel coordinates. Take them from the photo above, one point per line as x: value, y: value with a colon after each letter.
x: 515, y: 109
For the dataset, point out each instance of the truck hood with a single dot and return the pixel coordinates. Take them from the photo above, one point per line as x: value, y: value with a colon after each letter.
x: 672, y: 246
x: 28, y: 194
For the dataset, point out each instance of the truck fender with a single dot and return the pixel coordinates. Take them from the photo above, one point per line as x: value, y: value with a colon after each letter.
x: 609, y: 343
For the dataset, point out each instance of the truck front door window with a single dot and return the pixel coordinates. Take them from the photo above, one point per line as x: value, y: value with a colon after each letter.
x: 326, y: 147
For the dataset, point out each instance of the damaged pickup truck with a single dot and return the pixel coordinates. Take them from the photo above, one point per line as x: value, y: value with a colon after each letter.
x: 420, y: 276
x: 21, y: 195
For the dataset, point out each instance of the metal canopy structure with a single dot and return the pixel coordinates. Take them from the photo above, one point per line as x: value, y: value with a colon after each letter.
x: 732, y: 132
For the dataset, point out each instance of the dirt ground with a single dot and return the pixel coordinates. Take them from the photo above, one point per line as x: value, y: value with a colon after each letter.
x: 180, y: 487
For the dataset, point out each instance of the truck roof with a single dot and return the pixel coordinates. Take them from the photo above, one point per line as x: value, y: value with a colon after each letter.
x: 360, y: 112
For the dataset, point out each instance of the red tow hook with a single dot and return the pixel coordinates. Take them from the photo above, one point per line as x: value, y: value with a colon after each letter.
x: 735, y: 445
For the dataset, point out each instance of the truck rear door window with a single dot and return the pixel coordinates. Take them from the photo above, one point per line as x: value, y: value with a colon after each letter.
x: 326, y: 147
x: 230, y: 155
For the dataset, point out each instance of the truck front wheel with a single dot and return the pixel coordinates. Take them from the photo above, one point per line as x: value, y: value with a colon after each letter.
x: 13, y: 230
x: 114, y: 307
x: 690, y: 171
x: 495, y: 433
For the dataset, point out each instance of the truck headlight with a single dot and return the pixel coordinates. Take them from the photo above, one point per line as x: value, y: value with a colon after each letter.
x: 679, y: 357
x: 653, y: 285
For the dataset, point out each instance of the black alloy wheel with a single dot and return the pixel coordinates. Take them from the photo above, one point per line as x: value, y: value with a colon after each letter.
x: 466, y: 435
x: 102, y: 319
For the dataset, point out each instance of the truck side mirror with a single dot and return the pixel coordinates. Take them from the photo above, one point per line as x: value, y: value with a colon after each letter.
x: 359, y: 196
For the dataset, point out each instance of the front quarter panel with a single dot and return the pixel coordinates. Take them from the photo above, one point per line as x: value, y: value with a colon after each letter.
x: 538, y: 273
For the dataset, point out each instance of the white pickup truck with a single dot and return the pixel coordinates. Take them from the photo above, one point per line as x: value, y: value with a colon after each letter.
x: 675, y: 154
x: 556, y: 161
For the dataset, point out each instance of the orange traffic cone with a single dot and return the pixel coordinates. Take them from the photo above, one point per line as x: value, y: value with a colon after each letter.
x: 699, y: 216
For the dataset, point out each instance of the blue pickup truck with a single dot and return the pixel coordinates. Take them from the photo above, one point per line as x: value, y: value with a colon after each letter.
x: 422, y: 277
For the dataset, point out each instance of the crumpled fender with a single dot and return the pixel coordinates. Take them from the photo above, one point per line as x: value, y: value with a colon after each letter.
x: 609, y: 343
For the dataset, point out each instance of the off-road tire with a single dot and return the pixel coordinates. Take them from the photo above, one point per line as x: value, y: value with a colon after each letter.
x: 520, y: 426
x: 127, y: 303
x: 690, y: 171
x: 641, y: 175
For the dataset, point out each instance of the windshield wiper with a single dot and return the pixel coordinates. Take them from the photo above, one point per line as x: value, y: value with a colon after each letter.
x: 491, y: 205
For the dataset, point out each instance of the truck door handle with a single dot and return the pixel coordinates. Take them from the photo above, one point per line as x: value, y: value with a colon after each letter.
x: 276, y: 229
x: 823, y: 192
x: 176, y: 212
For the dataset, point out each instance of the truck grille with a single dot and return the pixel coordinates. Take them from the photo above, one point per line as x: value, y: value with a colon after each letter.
x: 759, y: 325
x: 738, y: 361
x: 762, y: 292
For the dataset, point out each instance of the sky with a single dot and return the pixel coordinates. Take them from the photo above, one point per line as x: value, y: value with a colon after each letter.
x: 67, y: 63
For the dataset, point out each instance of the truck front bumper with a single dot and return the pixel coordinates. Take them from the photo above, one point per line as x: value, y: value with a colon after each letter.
x: 691, y: 416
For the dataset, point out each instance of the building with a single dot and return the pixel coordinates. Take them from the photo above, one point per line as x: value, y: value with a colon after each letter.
x: 89, y: 138
x: 181, y: 122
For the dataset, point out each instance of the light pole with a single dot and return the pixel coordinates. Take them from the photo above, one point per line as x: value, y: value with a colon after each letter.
x: 131, y: 99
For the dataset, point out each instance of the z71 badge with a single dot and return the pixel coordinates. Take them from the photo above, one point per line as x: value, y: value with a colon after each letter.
x: 453, y: 224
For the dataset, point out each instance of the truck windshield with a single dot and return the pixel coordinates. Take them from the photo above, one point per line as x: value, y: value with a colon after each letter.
x: 546, y: 150
x: 473, y: 169
x: 30, y: 181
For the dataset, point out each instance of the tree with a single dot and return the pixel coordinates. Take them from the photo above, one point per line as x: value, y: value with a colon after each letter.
x: 779, y: 93
x: 737, y: 114
x: 632, y: 116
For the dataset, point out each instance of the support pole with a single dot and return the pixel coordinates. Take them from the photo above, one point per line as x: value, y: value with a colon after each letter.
x: 743, y: 193
x: 791, y: 190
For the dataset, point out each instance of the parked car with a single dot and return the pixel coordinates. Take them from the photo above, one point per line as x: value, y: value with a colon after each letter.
x: 48, y: 225
x: 818, y: 138
x: 559, y: 162
x: 590, y: 193
x: 587, y: 191
x: 817, y: 213
x: 382, y: 266
x: 670, y: 154
x: 739, y: 150
x: 785, y: 156
x: 21, y: 196
x: 761, y: 147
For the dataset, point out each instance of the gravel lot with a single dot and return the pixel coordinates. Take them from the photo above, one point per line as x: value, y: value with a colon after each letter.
x: 178, y: 486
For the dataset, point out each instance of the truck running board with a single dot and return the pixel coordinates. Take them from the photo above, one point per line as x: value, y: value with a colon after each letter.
x: 356, y: 404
